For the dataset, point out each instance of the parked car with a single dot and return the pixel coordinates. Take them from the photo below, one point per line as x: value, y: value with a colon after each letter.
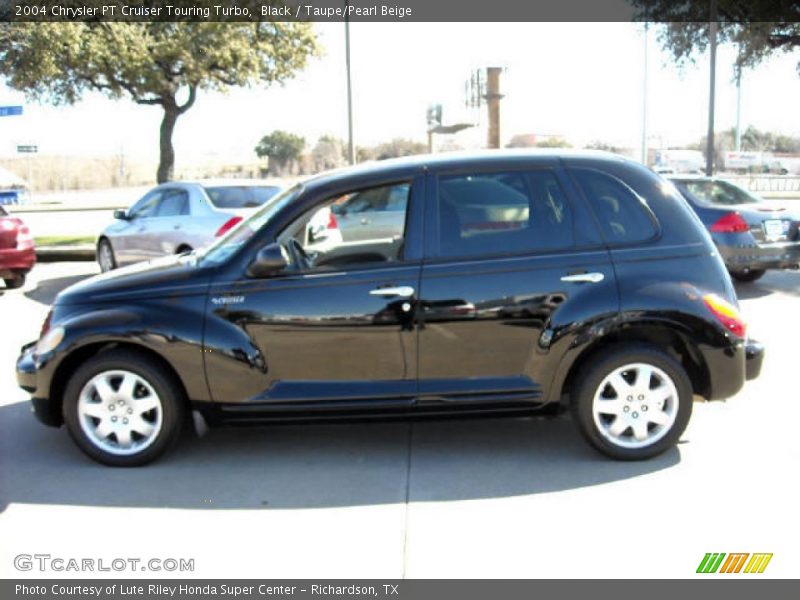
x: 751, y: 234
x: 178, y: 217
x: 636, y: 313
x: 17, y: 252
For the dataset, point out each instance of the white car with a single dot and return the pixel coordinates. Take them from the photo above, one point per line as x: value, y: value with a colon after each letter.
x: 178, y: 217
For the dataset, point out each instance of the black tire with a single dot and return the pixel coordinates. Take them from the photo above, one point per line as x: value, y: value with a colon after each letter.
x: 105, y: 246
x: 170, y: 393
x: 183, y: 249
x: 603, y: 364
x: 749, y: 275
x: 12, y: 283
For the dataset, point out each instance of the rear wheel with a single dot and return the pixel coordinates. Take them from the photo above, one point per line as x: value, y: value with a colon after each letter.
x: 17, y: 281
x: 123, y: 409
x: 748, y: 275
x: 183, y: 249
x: 105, y: 256
x: 632, y: 402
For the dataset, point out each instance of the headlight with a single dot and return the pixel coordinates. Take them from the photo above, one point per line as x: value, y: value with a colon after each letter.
x: 50, y: 341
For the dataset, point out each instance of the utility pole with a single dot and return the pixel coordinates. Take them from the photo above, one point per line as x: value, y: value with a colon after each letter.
x: 738, y: 109
x: 644, y: 99
x: 351, y: 150
x: 712, y: 31
x: 493, y: 97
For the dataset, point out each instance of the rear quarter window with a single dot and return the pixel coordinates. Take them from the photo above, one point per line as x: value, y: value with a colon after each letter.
x: 623, y: 216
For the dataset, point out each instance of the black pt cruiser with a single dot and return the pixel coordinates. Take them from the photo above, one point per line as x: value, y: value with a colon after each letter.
x: 496, y: 283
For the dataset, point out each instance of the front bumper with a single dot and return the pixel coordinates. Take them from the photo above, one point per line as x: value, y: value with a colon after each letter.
x: 33, y: 377
x: 754, y: 358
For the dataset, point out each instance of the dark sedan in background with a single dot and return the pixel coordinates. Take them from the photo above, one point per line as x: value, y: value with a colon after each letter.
x: 752, y: 234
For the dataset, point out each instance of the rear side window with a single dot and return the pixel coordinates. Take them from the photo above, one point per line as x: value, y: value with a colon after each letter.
x: 623, y: 216
x: 503, y: 212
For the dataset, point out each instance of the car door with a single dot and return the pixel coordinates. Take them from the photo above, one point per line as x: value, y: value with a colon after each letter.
x: 512, y: 263
x: 334, y: 332
x: 169, y: 228
x: 128, y: 236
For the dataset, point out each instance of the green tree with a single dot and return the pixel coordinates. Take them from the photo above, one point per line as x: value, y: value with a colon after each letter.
x: 281, y: 147
x: 393, y: 149
x: 554, y: 142
x: 759, y: 28
x: 154, y: 63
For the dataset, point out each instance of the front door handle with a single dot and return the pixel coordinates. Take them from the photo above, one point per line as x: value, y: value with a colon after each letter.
x: 404, y: 291
x: 584, y: 278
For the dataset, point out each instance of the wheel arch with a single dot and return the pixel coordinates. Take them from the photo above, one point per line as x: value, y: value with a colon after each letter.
x: 663, y: 335
x: 80, y: 355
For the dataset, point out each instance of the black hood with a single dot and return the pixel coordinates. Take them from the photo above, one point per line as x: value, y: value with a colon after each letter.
x: 169, y: 276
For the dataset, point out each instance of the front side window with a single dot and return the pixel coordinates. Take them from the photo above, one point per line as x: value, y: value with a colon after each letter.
x: 352, y: 229
x: 504, y: 212
x: 622, y: 215
x: 147, y: 206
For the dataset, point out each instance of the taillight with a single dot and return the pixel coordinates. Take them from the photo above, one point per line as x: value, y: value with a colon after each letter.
x: 332, y: 222
x: 731, y: 222
x: 727, y: 314
x: 228, y: 225
x: 24, y: 238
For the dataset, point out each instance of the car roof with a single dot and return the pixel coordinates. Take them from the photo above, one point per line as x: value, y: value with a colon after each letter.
x: 227, y: 183
x: 406, y: 164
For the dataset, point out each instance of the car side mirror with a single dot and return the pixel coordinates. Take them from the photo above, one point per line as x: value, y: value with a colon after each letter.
x: 121, y: 214
x: 269, y: 261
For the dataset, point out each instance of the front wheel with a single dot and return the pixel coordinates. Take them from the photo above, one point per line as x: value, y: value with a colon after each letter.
x: 123, y: 409
x: 748, y: 275
x: 632, y: 402
x: 105, y: 256
x: 15, y: 282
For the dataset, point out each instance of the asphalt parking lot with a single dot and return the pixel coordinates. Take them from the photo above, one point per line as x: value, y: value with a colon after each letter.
x: 488, y: 498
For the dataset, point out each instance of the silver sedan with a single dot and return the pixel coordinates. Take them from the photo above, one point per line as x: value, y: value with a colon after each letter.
x: 178, y: 217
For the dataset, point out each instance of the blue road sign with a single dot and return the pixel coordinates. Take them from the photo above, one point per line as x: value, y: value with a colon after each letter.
x: 10, y: 111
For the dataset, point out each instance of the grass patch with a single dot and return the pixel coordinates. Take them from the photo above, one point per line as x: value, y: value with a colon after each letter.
x: 64, y: 240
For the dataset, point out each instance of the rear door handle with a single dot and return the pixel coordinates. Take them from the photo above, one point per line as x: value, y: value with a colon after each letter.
x: 584, y: 278
x: 404, y: 291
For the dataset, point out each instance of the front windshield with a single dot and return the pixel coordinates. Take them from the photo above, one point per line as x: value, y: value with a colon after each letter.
x: 219, y: 251
x: 720, y: 192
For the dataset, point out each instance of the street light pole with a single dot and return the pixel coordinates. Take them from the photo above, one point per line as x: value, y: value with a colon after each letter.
x: 712, y: 31
x: 351, y: 151
x: 644, y: 100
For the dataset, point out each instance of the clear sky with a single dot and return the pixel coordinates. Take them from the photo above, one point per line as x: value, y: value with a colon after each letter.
x: 579, y: 80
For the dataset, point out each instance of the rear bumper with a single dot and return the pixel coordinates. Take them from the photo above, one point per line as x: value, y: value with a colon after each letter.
x: 15, y: 261
x: 775, y: 255
x: 754, y: 358
x: 731, y: 366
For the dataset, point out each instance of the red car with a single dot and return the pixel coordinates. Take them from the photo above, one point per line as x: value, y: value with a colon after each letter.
x: 17, y: 253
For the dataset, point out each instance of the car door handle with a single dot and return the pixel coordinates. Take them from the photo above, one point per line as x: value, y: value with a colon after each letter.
x: 365, y: 221
x: 584, y: 278
x: 405, y: 291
